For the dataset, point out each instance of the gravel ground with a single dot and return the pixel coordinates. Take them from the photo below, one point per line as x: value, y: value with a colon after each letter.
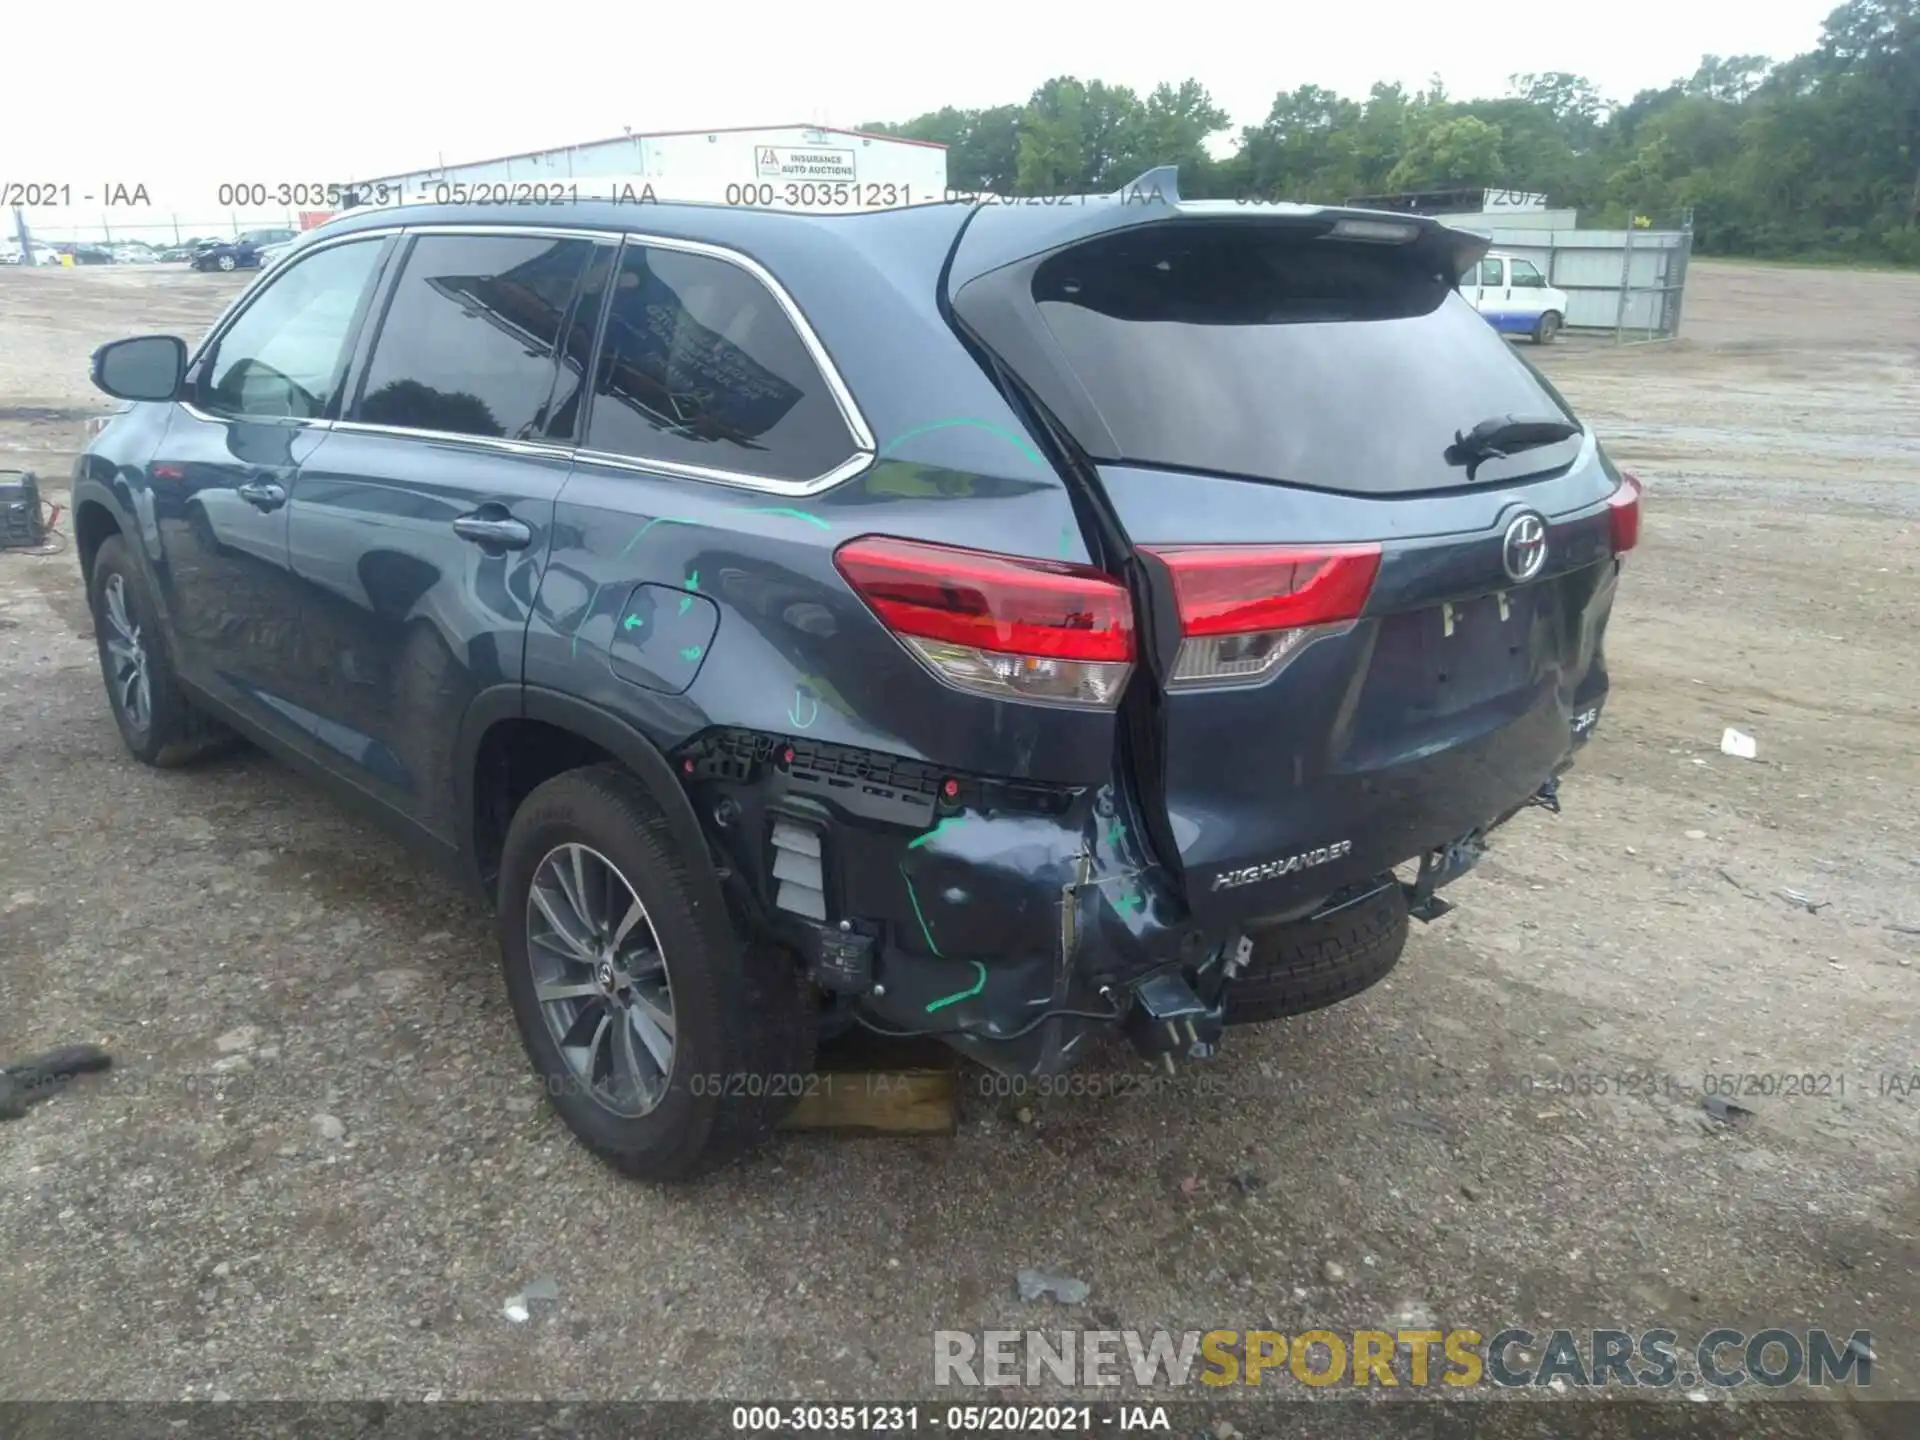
x: 318, y: 1171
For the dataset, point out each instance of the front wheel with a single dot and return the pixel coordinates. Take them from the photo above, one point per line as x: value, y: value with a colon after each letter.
x: 157, y: 721
x: 663, y: 1042
x: 226, y: 262
x: 1546, y: 328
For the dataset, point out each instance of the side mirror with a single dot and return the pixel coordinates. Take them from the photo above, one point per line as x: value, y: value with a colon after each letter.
x: 147, y: 367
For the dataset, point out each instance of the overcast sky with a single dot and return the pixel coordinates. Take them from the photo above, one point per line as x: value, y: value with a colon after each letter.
x: 184, y: 96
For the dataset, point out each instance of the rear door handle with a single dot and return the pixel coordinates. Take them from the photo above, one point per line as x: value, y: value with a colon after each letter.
x: 262, y: 494
x: 505, y: 532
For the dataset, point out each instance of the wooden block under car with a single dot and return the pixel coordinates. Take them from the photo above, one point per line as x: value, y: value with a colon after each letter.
x: 865, y: 1085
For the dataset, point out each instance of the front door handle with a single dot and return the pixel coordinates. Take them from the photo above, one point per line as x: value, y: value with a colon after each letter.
x: 505, y: 532
x: 262, y: 494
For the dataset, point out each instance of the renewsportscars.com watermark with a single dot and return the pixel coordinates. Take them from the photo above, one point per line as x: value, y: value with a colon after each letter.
x: 1513, y: 1358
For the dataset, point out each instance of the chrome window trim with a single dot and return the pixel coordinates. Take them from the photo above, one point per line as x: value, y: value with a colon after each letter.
x: 844, y: 471
x: 300, y: 422
x: 488, y: 442
x: 862, y: 435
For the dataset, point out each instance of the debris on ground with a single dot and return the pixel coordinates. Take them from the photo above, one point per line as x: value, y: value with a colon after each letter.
x: 1190, y: 1186
x: 1802, y: 901
x: 1334, y: 1272
x: 518, y: 1310
x: 1718, y: 1107
x: 1739, y: 745
x: 1744, y: 890
x: 1064, y: 1288
x: 329, y: 1127
x: 1696, y: 834
x: 30, y: 1081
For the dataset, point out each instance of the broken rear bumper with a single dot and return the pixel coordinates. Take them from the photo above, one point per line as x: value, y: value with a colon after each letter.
x: 1013, y: 921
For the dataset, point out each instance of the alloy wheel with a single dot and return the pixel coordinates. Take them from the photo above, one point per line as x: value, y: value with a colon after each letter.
x: 600, y: 977
x: 131, y: 687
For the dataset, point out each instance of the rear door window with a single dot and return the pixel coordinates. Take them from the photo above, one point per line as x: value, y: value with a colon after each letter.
x: 702, y: 370
x: 1255, y: 351
x: 468, y: 341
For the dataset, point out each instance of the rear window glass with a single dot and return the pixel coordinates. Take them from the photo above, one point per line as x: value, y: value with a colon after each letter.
x: 1233, y: 349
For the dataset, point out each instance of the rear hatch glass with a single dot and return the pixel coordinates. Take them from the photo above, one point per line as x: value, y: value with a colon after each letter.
x: 1258, y: 351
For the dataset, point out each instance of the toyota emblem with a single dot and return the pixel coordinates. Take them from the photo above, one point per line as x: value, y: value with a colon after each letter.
x: 1524, y: 550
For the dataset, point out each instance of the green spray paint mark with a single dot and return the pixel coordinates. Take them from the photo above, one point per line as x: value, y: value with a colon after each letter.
x: 979, y: 984
x: 914, y: 899
x: 790, y: 513
x: 693, y: 585
x: 693, y: 652
x: 1025, y: 447
x: 1129, y: 903
x: 946, y: 824
x: 626, y: 549
x: 793, y: 710
x: 1066, y: 541
x: 632, y: 622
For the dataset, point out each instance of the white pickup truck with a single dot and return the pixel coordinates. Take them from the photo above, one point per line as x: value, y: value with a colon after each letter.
x: 1515, y: 297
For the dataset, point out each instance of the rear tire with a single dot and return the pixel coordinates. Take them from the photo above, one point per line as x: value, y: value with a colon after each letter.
x: 742, y: 1018
x: 1546, y: 328
x: 1311, y: 964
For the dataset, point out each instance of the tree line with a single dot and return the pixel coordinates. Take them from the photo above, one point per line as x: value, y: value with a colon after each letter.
x: 1813, y: 157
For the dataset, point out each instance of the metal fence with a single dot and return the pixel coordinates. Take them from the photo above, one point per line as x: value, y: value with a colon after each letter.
x: 156, y: 230
x: 1627, y: 282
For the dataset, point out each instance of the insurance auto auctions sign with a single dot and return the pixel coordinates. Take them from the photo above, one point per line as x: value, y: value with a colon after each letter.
x: 777, y: 162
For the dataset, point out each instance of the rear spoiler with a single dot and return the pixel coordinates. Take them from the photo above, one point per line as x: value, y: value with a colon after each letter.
x: 1017, y: 228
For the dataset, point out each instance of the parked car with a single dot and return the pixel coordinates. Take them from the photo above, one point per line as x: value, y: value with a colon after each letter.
x: 66, y: 252
x: 176, y: 254
x: 1515, y: 297
x: 132, y: 255
x: 242, y: 253
x: 1072, y: 632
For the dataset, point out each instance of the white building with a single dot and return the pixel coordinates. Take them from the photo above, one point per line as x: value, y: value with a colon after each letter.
x: 787, y: 167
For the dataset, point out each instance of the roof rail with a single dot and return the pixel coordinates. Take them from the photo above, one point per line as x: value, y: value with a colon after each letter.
x: 1160, y: 183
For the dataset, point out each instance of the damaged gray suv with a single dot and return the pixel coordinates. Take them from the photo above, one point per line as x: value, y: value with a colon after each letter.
x: 995, y: 622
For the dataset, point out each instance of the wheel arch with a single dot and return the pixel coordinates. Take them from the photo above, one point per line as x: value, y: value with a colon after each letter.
x: 93, y: 521
x: 505, y: 713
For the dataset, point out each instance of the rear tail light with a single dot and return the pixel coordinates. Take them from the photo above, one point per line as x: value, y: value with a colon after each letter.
x: 1245, y: 610
x: 999, y: 625
x: 1624, y: 511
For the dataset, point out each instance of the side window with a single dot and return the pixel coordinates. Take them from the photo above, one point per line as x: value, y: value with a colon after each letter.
x: 1526, y: 273
x: 1470, y: 278
x: 1490, y: 273
x: 701, y: 367
x: 467, y: 344
x: 285, y: 354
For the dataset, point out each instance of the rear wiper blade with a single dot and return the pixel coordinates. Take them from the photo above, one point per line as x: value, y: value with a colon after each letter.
x: 1503, y: 435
